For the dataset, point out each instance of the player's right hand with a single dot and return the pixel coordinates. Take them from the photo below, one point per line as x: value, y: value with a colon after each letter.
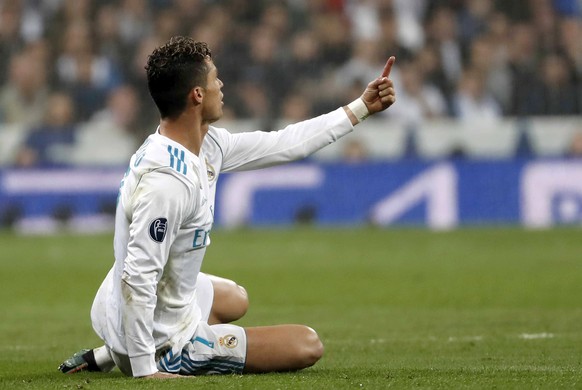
x: 380, y: 94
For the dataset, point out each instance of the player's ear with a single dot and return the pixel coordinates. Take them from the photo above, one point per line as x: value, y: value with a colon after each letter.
x: 197, y: 95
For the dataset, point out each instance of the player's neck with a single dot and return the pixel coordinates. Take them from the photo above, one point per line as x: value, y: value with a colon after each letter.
x: 185, y: 131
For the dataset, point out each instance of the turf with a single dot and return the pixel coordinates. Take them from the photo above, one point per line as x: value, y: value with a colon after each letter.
x: 475, y: 308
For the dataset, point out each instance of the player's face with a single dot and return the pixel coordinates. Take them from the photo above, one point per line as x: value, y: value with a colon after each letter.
x: 213, y: 97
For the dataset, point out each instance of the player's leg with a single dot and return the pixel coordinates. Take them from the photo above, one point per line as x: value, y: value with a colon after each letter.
x: 221, y: 301
x: 226, y: 349
x: 95, y: 360
x: 281, y: 348
x: 230, y: 302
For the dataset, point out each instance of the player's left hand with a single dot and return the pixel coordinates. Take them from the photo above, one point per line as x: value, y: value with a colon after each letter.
x: 380, y: 93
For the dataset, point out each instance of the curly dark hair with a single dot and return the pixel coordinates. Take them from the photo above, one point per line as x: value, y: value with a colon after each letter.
x: 173, y: 70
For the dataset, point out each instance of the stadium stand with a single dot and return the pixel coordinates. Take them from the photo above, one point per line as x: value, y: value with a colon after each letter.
x: 481, y: 79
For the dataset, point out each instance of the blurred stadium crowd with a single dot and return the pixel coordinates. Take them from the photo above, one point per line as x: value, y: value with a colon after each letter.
x: 72, y: 77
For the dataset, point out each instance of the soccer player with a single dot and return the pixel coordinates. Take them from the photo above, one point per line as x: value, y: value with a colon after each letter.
x: 157, y: 314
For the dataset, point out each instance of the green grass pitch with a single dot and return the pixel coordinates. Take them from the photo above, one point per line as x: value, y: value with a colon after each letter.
x: 472, y: 308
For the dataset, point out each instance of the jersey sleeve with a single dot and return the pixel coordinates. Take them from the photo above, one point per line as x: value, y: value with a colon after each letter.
x: 159, y: 205
x: 253, y: 150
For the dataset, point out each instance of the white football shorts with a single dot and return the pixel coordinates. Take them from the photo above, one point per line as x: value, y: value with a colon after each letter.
x: 213, y: 349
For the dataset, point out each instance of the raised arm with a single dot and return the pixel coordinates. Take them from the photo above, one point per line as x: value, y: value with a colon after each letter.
x: 254, y: 150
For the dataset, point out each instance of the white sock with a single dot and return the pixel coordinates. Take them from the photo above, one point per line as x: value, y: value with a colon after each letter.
x: 103, y: 359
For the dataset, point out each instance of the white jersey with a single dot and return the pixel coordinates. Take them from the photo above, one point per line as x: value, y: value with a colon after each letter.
x: 147, y: 303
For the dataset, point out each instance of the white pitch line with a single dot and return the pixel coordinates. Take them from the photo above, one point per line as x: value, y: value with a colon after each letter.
x: 17, y: 347
x: 452, y: 339
x: 536, y: 336
x: 465, y: 338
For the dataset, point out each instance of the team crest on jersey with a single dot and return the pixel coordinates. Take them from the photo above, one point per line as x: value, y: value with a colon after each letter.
x: 158, y: 229
x: 229, y: 341
x: 210, y: 171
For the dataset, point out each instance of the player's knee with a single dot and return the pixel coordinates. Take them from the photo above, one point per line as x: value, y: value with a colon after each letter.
x: 242, y: 301
x: 312, y: 347
x: 236, y: 303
